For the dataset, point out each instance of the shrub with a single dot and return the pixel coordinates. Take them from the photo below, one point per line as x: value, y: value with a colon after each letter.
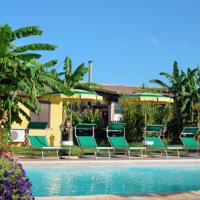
x: 4, y: 140
x: 14, y: 185
x: 133, y: 116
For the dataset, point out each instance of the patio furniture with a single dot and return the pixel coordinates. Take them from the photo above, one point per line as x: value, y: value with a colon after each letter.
x: 154, y: 142
x: 87, y: 141
x: 118, y: 140
x: 187, y: 137
x: 40, y: 142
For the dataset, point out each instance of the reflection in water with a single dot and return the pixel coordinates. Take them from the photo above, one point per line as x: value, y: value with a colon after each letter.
x: 55, y: 184
x: 63, y: 181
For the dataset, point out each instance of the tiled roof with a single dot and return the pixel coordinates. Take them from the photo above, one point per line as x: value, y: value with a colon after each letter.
x: 110, y: 89
x: 118, y: 89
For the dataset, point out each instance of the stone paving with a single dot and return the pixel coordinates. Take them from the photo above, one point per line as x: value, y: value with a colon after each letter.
x: 193, y: 195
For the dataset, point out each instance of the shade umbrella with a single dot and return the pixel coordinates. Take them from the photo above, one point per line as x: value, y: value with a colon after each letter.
x: 145, y: 99
x: 77, y: 95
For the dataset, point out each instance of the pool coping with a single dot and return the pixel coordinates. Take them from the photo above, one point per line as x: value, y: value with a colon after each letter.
x: 105, y: 162
x: 192, y: 195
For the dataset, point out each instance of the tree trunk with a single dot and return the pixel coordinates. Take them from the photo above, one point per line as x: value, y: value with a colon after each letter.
x: 192, y: 117
x: 3, y: 149
x: 3, y: 118
x: 1, y: 136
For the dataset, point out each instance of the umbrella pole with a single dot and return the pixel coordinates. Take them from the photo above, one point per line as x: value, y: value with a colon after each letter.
x: 70, y: 138
x: 145, y: 116
x: 145, y: 120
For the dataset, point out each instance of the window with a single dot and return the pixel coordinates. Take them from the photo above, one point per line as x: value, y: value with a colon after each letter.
x: 44, y: 115
x: 118, y: 109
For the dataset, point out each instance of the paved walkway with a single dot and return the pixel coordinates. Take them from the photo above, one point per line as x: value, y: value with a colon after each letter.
x: 193, y: 195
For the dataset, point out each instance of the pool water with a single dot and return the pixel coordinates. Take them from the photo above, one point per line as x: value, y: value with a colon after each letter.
x: 70, y: 181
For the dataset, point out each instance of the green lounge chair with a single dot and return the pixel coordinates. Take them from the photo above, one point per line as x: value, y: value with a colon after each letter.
x: 88, y: 141
x: 154, y: 142
x: 119, y: 142
x: 39, y: 142
x: 187, y: 137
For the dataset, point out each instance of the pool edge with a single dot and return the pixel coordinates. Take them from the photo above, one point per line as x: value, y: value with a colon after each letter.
x: 109, y: 162
x: 191, y: 195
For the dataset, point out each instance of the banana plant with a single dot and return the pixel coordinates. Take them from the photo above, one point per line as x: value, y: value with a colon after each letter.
x: 190, y: 95
x: 184, y: 88
x: 21, y: 74
x: 71, y: 79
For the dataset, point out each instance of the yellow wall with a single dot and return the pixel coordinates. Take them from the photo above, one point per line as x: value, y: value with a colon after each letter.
x: 53, y: 132
x: 24, y: 123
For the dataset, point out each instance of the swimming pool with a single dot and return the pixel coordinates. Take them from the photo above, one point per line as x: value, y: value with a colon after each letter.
x: 92, y: 180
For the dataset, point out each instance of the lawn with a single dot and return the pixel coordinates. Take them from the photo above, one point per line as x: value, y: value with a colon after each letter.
x: 25, y: 151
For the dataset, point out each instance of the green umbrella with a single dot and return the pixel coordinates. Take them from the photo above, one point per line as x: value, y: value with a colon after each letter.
x: 145, y: 99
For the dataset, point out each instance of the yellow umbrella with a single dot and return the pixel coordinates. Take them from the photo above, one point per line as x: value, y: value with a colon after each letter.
x: 76, y: 96
x: 145, y: 99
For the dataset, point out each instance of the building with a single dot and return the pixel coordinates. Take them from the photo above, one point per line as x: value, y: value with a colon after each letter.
x: 52, y: 110
x: 111, y: 94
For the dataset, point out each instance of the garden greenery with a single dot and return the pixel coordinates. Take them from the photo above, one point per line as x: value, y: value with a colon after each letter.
x: 88, y: 115
x: 184, y: 88
x: 23, y: 75
x: 133, y: 116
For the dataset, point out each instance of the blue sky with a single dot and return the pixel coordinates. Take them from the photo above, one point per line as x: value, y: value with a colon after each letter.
x: 129, y: 41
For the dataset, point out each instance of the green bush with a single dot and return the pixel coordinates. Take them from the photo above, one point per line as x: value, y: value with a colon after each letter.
x: 88, y: 116
x: 14, y: 184
x: 133, y: 116
x: 4, y: 140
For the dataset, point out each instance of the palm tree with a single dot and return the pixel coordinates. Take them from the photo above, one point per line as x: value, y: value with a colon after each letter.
x: 72, y: 78
x: 174, y: 87
x: 191, y: 95
x: 21, y: 74
x: 183, y: 88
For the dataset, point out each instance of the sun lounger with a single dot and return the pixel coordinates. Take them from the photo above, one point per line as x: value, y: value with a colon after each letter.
x: 40, y: 142
x: 88, y: 141
x: 118, y: 141
x: 153, y: 129
x: 187, y: 137
x: 154, y: 142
